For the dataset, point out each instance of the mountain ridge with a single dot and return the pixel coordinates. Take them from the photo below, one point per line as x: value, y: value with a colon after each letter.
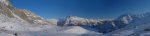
x: 13, y: 19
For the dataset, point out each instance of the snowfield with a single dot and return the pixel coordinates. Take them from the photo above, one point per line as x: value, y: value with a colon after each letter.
x: 18, y: 27
x: 18, y: 22
x: 76, y: 30
x: 13, y: 26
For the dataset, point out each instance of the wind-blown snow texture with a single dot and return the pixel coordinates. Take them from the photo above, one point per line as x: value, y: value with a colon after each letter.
x: 21, y: 22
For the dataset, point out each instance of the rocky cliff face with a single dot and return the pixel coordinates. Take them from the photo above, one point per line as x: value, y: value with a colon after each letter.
x: 7, y: 9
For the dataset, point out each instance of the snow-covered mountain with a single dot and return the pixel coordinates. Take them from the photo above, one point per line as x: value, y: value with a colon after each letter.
x: 102, y: 26
x: 7, y: 9
x: 22, y: 22
x: 138, y: 27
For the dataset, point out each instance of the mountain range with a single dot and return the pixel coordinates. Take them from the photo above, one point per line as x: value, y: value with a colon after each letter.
x: 22, y: 22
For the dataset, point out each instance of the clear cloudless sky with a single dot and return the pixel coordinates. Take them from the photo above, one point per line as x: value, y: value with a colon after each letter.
x: 83, y: 8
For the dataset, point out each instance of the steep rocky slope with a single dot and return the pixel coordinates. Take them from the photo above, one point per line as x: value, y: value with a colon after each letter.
x: 7, y: 9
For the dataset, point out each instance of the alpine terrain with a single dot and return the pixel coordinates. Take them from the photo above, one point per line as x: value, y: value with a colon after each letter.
x: 22, y: 22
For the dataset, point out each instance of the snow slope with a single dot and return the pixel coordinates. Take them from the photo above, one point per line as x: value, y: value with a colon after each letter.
x: 21, y: 22
x: 138, y: 27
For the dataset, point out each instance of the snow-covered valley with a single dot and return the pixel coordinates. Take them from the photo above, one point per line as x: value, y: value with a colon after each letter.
x: 21, y: 22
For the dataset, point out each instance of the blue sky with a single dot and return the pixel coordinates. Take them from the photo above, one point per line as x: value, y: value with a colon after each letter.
x: 83, y: 8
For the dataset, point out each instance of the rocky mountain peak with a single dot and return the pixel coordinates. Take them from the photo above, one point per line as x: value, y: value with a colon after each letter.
x: 6, y: 2
x: 126, y: 18
x: 25, y: 15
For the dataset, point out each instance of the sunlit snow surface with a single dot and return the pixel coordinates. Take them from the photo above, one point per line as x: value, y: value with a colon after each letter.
x: 13, y: 26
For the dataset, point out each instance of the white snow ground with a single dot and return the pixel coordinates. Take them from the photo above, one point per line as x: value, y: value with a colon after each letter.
x: 13, y: 26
